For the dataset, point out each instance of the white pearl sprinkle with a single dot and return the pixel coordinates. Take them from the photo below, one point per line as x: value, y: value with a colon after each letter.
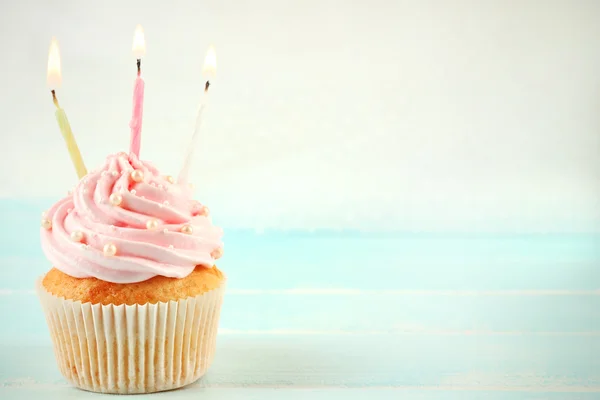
x: 85, y: 191
x: 83, y: 246
x: 187, y: 229
x: 114, y: 173
x: 171, y: 246
x: 137, y: 175
x: 115, y: 199
x: 109, y: 250
x: 104, y: 173
x: 133, y: 191
x: 165, y: 230
x: 160, y: 205
x: 113, y: 228
x: 76, y: 236
x: 166, y: 203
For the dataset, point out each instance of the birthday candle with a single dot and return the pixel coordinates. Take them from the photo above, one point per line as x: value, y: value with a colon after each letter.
x: 54, y: 80
x: 139, y: 50
x: 209, y: 70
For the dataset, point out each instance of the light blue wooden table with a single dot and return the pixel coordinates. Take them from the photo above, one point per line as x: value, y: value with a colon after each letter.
x: 353, y: 316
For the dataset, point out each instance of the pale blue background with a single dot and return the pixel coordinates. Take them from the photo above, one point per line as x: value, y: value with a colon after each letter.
x: 409, y: 190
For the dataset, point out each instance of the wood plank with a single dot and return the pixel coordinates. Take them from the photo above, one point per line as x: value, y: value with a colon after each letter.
x: 60, y: 392
x: 399, y: 313
x: 518, y: 363
x: 369, y: 261
x: 271, y: 273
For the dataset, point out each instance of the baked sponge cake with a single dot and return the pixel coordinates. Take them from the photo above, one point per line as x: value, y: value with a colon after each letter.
x: 133, y: 298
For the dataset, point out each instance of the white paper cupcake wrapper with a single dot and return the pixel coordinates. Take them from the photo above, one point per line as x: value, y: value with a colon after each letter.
x: 133, y: 349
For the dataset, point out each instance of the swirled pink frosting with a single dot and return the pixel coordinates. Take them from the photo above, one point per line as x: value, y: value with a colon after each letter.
x: 142, y: 253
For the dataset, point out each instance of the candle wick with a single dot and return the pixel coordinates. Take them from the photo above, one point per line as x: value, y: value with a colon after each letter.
x: 206, y: 86
x: 54, y: 99
x: 139, y: 66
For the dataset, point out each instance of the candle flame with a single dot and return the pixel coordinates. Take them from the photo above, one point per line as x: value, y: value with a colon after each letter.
x: 210, y: 63
x: 54, y: 77
x: 139, y: 43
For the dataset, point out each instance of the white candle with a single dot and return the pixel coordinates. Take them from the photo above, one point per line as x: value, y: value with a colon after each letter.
x: 209, y: 71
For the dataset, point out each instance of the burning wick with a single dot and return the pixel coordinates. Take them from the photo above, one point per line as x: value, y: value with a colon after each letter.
x: 54, y: 99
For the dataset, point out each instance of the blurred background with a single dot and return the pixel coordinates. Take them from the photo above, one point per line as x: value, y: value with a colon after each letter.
x: 459, y: 116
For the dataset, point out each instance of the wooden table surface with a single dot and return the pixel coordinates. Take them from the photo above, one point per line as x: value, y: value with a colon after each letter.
x: 327, y: 315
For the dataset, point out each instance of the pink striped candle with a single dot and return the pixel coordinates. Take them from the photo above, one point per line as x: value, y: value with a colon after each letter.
x: 139, y: 50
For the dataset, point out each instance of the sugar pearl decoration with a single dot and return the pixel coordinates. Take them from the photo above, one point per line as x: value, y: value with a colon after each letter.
x: 114, y: 173
x: 204, y: 211
x: 165, y: 230
x: 110, y: 249
x: 137, y: 175
x: 115, y: 199
x: 217, y: 253
x: 46, y: 224
x: 151, y: 224
x: 77, y: 236
x: 171, y: 246
x: 170, y: 179
x: 187, y: 229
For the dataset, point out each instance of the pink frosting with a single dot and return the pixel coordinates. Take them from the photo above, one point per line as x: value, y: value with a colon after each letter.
x: 141, y: 253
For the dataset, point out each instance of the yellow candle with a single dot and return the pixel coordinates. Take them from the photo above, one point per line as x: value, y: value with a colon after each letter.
x: 67, y: 133
x: 54, y: 80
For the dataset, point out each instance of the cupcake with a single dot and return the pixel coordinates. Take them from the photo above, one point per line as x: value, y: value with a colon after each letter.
x: 133, y: 299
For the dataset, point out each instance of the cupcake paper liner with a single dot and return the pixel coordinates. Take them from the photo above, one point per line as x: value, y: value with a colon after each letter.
x: 133, y: 349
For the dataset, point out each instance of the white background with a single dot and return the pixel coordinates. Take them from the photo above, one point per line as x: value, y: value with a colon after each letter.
x: 460, y: 115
